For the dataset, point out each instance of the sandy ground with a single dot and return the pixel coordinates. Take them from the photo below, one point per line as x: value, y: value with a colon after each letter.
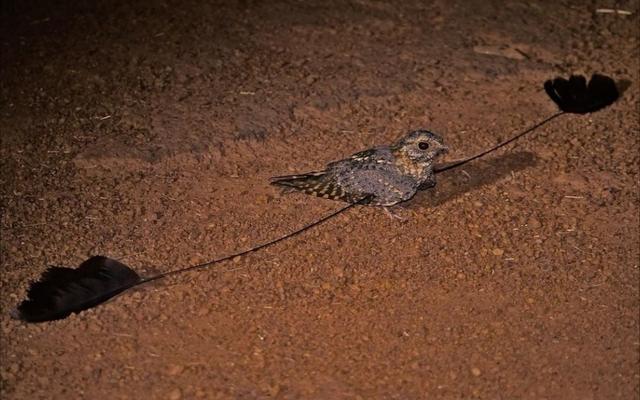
x: 147, y: 131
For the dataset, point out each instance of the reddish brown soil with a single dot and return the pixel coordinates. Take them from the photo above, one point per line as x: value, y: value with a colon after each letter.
x: 147, y: 131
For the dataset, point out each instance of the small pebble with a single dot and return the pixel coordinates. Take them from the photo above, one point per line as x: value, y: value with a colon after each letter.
x: 534, y: 223
x: 175, y: 369
x: 497, y: 252
x: 175, y: 394
x: 475, y: 371
x: 202, y: 311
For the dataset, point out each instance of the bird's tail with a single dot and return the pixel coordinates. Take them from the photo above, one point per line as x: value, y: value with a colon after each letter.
x: 308, y: 183
x: 321, y: 184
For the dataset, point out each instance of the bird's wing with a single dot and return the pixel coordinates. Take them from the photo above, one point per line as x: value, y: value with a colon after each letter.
x: 321, y: 184
x: 327, y: 183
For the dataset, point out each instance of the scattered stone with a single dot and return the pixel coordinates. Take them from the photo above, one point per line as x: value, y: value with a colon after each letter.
x: 175, y: 369
x: 175, y: 394
x: 505, y: 51
x: 202, y: 311
x: 534, y: 223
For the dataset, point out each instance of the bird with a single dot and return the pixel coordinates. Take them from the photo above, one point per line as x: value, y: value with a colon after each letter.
x: 379, y: 176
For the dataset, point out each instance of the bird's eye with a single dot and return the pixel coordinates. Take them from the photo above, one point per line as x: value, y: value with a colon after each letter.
x: 423, y: 145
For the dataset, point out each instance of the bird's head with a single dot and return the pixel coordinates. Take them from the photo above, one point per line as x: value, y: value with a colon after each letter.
x: 421, y: 146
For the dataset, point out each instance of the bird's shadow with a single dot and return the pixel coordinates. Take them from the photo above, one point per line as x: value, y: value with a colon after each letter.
x: 623, y: 85
x: 456, y: 182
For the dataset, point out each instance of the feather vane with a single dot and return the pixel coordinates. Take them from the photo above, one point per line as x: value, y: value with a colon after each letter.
x: 61, y: 291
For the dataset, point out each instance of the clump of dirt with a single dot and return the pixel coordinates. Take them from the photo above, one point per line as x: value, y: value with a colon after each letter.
x: 147, y: 132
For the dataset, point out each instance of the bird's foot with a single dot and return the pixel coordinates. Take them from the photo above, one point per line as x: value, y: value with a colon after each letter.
x: 394, y: 214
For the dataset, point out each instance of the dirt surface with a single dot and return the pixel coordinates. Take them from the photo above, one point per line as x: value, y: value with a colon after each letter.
x: 147, y: 131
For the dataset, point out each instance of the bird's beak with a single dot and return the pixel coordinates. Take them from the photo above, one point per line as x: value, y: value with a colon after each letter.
x: 444, y: 150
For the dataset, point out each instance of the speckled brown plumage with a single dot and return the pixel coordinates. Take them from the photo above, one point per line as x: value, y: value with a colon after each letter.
x: 386, y: 175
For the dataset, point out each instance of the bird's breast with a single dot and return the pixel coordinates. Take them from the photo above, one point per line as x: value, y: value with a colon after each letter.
x: 410, y: 168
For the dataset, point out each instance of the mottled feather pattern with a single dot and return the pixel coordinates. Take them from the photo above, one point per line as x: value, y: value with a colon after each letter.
x: 318, y: 184
x: 387, y: 175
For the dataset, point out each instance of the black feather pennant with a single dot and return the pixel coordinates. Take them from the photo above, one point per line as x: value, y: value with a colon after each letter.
x: 61, y: 291
x: 576, y: 96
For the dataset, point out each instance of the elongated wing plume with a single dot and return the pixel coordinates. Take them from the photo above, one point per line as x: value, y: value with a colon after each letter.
x: 62, y: 291
x: 572, y: 95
